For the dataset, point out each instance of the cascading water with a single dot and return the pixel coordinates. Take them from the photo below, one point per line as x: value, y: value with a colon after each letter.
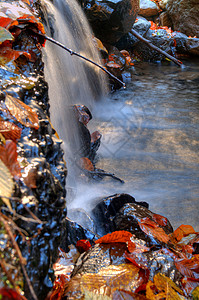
x: 71, y: 80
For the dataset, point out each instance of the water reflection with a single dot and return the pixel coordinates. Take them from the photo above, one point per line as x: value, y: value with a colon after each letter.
x: 151, y: 140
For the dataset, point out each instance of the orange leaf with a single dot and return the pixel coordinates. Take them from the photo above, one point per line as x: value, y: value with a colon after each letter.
x: 152, y: 229
x: 121, y: 236
x: 30, y: 178
x: 182, y: 231
x: 86, y: 164
x: 7, y: 54
x: 22, y: 112
x: 10, y: 131
x: 112, y: 64
x: 125, y: 53
x: 8, y: 154
x: 160, y: 220
x: 137, y: 248
x: 7, y: 22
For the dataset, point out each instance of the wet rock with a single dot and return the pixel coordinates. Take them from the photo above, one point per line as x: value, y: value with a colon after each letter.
x: 192, y: 45
x: 100, y: 256
x: 184, y: 15
x: 73, y: 232
x: 128, y: 40
x: 129, y: 216
x: 107, y: 208
x: 148, y: 8
x: 159, y: 38
x: 110, y: 20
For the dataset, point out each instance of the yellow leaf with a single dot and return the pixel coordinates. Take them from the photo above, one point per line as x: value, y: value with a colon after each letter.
x: 6, y: 184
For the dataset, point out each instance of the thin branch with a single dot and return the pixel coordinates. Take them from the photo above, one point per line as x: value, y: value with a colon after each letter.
x: 102, y: 173
x: 150, y: 45
x: 79, y: 55
x: 21, y: 258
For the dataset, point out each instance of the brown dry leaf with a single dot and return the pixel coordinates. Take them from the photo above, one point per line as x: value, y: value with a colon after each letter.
x: 152, y: 229
x: 30, y: 178
x: 112, y: 277
x: 6, y: 184
x: 163, y: 288
x: 86, y: 164
x: 10, y: 131
x: 22, y: 112
x: 8, y: 154
x: 121, y: 236
x: 182, y: 231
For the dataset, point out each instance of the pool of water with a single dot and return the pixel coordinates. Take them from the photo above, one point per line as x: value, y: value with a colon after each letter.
x: 151, y: 140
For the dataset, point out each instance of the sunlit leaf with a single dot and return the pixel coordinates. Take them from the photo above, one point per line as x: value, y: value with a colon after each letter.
x: 112, y: 64
x: 152, y: 229
x: 8, y: 154
x: 195, y: 294
x: 121, y: 236
x: 86, y: 164
x: 182, y: 231
x: 163, y: 288
x: 136, y: 248
x: 5, y: 35
x: 6, y: 184
x: 2, y: 139
x: 7, y: 22
x: 60, y: 284
x: 22, y: 112
x: 10, y: 131
x: 8, y: 54
x: 160, y: 220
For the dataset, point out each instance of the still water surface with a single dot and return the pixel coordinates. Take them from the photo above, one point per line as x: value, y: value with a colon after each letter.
x: 151, y: 140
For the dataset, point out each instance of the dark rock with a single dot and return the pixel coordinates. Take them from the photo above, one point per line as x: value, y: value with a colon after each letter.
x: 159, y: 38
x: 165, y: 20
x: 129, y: 216
x: 73, y: 232
x: 110, y: 20
x: 106, y: 209
x: 184, y: 15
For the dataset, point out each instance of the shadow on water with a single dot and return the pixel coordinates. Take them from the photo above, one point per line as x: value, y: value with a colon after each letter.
x: 151, y: 139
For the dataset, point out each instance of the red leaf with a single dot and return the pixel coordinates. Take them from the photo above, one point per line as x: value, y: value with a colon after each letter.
x: 160, y: 220
x: 10, y: 131
x: 8, y: 154
x: 7, y: 22
x: 115, y: 237
x: 152, y: 229
x: 9, y: 54
x: 86, y: 164
x: 138, y: 259
x: 83, y: 245
x: 10, y: 294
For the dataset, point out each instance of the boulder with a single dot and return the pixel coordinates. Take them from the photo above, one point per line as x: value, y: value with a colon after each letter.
x: 106, y: 209
x: 128, y: 219
x: 184, y: 15
x: 128, y: 40
x: 148, y: 8
x: 110, y: 20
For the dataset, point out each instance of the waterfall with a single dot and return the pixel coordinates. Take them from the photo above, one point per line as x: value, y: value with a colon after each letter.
x: 71, y: 80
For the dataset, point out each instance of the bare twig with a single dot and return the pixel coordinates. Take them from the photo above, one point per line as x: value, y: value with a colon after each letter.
x: 102, y: 173
x: 79, y: 55
x: 150, y: 45
x: 21, y: 258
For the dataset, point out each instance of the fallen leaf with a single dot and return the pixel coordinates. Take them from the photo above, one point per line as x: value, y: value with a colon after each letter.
x: 86, y: 164
x: 150, y: 228
x: 22, y: 112
x: 30, y: 177
x: 5, y: 35
x: 10, y: 131
x: 8, y: 54
x: 160, y: 220
x: 121, y: 236
x: 8, y: 154
x: 112, y: 64
x: 6, y: 184
x: 195, y: 293
x: 83, y: 245
x: 182, y: 231
x: 10, y: 294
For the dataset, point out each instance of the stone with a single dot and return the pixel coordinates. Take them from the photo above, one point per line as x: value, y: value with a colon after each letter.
x: 159, y: 38
x: 110, y: 20
x: 165, y: 19
x: 129, y: 216
x: 184, y: 15
x: 106, y: 209
x: 148, y: 8
x: 192, y: 45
